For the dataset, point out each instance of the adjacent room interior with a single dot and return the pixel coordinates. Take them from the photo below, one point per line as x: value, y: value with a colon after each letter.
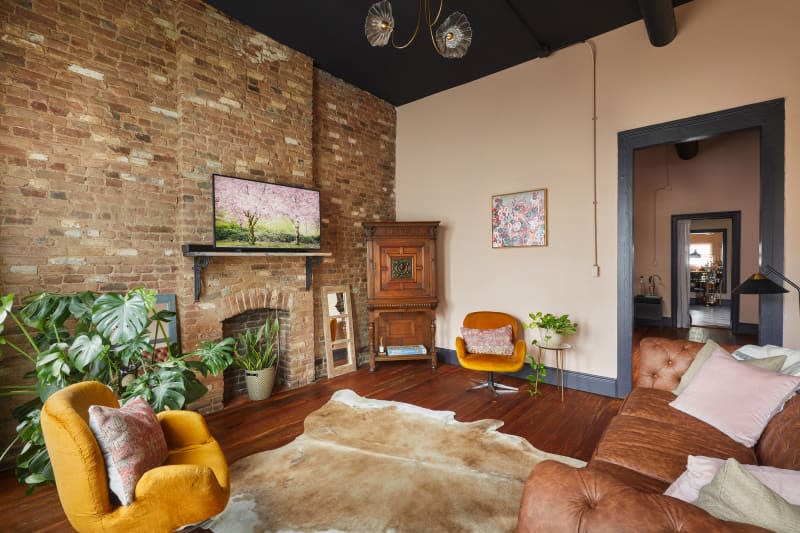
x: 303, y: 246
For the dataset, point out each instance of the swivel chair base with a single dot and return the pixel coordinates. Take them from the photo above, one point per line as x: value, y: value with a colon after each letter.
x: 496, y: 388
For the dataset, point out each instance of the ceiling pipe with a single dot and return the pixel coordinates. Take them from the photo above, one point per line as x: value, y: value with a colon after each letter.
x: 659, y: 19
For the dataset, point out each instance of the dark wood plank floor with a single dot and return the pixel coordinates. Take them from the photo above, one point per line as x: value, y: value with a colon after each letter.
x: 570, y: 428
x: 695, y: 333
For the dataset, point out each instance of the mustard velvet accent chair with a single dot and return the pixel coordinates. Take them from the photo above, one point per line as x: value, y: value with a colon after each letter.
x: 492, y: 363
x: 191, y: 486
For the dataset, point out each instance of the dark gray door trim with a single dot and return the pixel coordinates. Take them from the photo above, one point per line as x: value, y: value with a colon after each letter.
x: 769, y: 117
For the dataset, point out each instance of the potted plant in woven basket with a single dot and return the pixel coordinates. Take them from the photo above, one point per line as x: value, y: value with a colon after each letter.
x: 257, y: 353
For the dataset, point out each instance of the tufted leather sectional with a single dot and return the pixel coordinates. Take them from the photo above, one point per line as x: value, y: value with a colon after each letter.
x: 642, y: 451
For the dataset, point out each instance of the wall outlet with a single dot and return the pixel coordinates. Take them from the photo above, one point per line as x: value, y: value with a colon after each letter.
x: 595, y: 271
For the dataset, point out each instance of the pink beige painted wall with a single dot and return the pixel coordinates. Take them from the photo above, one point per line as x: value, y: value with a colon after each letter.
x: 724, y: 176
x: 531, y: 126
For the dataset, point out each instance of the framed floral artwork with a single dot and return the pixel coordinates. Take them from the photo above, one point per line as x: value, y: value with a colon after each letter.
x: 519, y: 219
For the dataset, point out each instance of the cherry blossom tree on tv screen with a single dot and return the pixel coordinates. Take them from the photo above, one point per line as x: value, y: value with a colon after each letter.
x: 258, y: 206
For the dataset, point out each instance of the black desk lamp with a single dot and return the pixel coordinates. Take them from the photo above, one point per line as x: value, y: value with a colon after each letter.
x: 759, y: 283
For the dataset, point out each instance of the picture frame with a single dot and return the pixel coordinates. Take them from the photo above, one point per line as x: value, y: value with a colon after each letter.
x: 165, y: 302
x: 519, y: 219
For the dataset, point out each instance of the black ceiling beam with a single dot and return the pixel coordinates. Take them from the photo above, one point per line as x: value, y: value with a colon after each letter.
x: 659, y: 19
x: 544, y: 50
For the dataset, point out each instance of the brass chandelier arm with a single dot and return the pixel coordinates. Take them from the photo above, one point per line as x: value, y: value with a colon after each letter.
x: 416, y: 30
x: 432, y: 23
x: 424, y: 5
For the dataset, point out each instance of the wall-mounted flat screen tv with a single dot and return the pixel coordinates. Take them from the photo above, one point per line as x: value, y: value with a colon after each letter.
x: 253, y: 215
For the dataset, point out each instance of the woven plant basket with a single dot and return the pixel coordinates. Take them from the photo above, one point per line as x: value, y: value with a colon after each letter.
x: 259, y: 383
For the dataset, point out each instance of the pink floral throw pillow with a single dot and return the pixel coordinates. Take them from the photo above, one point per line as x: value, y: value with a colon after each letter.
x: 493, y: 341
x: 132, y: 443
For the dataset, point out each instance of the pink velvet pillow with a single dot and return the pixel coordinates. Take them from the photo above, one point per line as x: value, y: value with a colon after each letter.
x: 492, y: 341
x: 701, y: 470
x: 739, y: 400
x: 132, y: 443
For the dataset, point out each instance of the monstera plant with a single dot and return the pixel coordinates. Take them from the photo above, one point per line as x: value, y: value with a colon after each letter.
x: 102, y: 337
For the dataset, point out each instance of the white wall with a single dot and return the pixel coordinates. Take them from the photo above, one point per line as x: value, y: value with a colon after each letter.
x: 531, y: 127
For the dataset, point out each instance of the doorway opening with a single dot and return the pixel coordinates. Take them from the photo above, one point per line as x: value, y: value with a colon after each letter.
x: 705, y: 267
x: 768, y: 117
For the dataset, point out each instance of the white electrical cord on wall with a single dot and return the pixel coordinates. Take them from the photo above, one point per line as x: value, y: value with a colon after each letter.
x: 590, y: 44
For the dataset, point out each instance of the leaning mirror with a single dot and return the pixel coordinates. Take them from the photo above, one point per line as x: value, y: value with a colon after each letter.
x: 340, y: 347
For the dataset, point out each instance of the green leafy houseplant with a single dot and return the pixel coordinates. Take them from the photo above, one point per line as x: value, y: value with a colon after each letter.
x: 104, y: 337
x: 551, y: 327
x: 255, y: 352
x: 251, y: 350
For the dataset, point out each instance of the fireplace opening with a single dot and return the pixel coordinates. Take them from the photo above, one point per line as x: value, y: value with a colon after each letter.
x: 234, y: 382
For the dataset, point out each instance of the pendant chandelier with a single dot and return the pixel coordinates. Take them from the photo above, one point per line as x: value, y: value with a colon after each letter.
x: 451, y: 39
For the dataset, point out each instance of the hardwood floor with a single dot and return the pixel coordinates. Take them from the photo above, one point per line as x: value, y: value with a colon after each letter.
x: 570, y: 428
x: 695, y: 333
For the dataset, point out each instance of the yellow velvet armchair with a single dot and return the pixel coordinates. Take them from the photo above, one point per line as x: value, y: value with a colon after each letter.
x: 191, y: 486
x: 492, y: 363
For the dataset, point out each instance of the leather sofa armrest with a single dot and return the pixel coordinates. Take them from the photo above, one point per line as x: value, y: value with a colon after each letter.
x: 560, y: 498
x: 659, y: 363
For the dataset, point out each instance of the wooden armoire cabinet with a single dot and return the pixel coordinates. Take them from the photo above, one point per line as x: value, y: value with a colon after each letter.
x: 401, y: 289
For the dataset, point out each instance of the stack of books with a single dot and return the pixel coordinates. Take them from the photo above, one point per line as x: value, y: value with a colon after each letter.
x: 414, y: 349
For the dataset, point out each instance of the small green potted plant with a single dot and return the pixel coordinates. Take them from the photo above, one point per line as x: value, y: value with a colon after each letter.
x: 552, y: 329
x: 257, y: 354
x: 552, y: 332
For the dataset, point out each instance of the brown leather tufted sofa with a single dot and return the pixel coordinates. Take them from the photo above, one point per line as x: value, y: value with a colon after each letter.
x: 642, y: 451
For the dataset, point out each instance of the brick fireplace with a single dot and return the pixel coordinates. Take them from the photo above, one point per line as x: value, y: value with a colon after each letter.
x: 247, y: 308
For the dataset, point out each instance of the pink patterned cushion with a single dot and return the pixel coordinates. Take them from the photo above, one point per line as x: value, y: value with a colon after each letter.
x: 493, y: 341
x: 132, y: 442
x: 739, y: 400
x: 701, y: 470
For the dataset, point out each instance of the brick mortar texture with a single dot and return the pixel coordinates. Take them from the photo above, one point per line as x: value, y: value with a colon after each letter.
x: 114, y: 115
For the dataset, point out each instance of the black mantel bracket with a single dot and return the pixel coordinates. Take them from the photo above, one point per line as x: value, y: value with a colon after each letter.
x: 200, y: 264
x: 202, y: 254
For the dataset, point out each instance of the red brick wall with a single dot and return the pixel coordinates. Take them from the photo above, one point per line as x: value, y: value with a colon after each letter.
x: 354, y: 154
x: 113, y: 117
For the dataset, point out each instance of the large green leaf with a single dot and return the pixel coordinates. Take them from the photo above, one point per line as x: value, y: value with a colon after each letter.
x: 52, y: 370
x: 216, y: 356
x: 85, y: 350
x: 169, y: 393
x: 44, y: 311
x: 194, y: 389
x: 80, y: 307
x: 120, y: 318
x: 5, y: 306
x: 148, y: 296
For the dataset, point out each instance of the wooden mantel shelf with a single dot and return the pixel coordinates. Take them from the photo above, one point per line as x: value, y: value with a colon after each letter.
x: 202, y: 254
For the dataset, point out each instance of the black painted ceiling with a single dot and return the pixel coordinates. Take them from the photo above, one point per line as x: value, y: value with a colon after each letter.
x: 332, y: 33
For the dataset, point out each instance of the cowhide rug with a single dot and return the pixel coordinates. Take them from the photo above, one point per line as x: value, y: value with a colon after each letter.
x: 376, y: 466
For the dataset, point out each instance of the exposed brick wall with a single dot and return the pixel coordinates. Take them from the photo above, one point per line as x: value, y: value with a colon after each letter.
x: 354, y: 154
x: 114, y: 115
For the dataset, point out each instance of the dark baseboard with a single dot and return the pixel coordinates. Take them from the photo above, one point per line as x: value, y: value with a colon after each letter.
x: 744, y: 328
x: 663, y: 322
x: 572, y: 380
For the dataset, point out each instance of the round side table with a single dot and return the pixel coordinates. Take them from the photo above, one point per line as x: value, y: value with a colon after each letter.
x: 559, y: 351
